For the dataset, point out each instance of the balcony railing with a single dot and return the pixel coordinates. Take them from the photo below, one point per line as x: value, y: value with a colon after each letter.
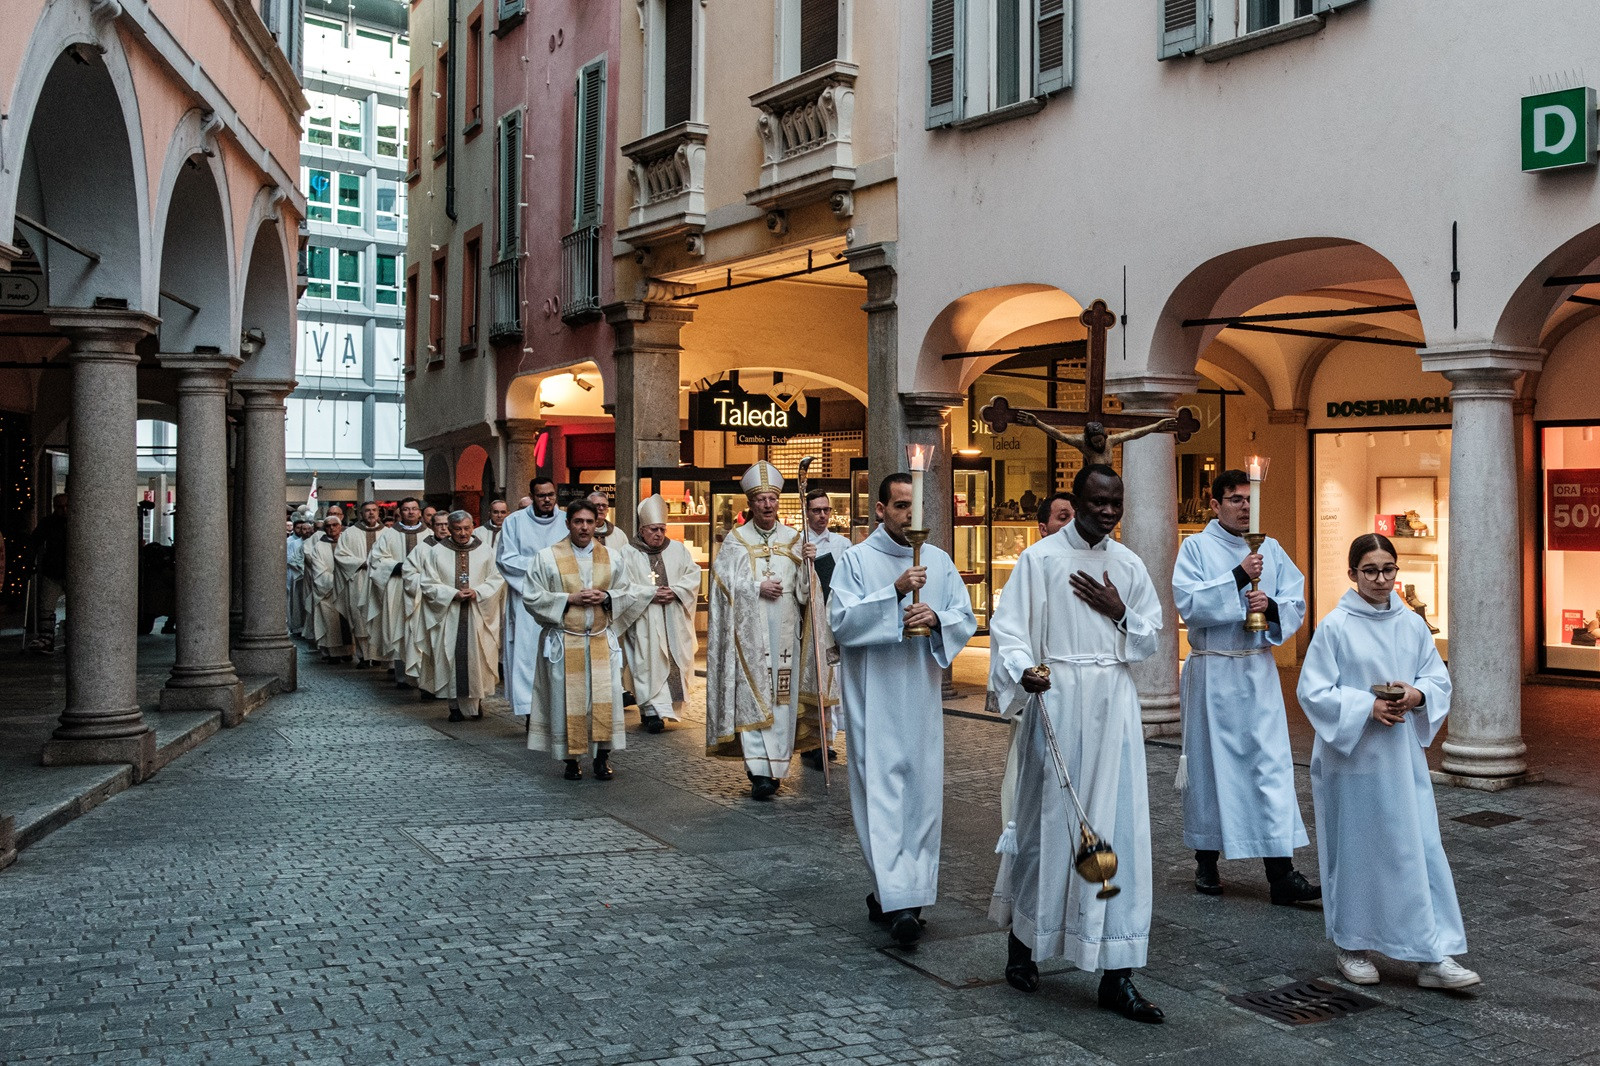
x: 580, y: 274
x: 669, y: 186
x: 806, y: 126
x: 505, y: 300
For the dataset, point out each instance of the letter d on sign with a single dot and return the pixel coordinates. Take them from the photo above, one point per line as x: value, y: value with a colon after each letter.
x: 1565, y: 120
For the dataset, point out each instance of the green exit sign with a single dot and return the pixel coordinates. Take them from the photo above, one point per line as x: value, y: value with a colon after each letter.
x: 1558, y: 129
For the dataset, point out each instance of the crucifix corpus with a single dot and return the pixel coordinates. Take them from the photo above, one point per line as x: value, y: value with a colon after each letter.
x: 1094, y: 441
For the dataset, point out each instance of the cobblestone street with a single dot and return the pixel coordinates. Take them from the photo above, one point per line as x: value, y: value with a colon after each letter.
x: 348, y: 878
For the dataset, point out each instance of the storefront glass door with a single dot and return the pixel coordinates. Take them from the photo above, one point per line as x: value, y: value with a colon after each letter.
x: 1570, y: 537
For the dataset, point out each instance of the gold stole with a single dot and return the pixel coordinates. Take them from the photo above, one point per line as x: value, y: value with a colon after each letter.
x: 586, y: 657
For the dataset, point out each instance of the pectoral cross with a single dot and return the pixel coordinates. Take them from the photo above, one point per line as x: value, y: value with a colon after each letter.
x: 1093, y: 442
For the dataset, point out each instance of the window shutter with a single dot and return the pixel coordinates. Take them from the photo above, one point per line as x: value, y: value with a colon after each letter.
x: 510, y: 184
x: 678, y: 67
x: 1183, y: 26
x: 510, y: 9
x: 1052, y: 46
x: 945, y: 19
x: 589, y: 172
x: 819, y: 32
x: 1319, y: 6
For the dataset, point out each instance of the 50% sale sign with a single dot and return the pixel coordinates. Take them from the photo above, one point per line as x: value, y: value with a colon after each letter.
x: 1573, y: 514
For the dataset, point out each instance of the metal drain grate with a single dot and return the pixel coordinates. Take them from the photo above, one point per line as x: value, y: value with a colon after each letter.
x: 1487, y: 819
x: 1304, y: 1002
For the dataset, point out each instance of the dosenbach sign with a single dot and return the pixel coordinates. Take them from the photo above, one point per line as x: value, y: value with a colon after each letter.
x: 728, y: 408
x: 1558, y: 129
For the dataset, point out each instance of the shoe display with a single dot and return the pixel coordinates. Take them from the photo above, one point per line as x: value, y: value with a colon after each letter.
x: 1356, y: 967
x: 905, y: 928
x: 1293, y: 889
x: 1446, y: 973
x: 1118, y: 993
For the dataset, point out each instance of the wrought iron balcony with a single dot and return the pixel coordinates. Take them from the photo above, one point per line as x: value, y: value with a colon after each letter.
x: 505, y: 300
x: 580, y: 274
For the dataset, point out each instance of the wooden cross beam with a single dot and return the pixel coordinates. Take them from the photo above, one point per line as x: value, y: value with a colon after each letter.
x: 1098, y: 319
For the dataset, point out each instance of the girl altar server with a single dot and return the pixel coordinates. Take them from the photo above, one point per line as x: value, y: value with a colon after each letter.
x: 1386, y: 885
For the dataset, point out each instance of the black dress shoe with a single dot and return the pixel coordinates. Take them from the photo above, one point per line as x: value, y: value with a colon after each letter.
x: 1022, y: 973
x: 1118, y: 994
x: 874, y: 911
x: 905, y: 929
x: 763, y: 788
x: 653, y: 723
x: 1206, y: 881
x: 602, y: 768
x: 1287, y: 891
x: 812, y: 758
x: 574, y: 771
x: 456, y: 715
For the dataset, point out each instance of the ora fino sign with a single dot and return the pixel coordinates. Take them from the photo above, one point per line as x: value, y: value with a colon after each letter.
x: 1558, y: 129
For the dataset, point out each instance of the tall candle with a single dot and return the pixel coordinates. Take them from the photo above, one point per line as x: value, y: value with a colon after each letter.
x: 917, y: 456
x: 1253, y: 469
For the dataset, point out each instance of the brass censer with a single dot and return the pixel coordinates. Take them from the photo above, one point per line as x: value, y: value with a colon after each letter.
x: 1095, y: 861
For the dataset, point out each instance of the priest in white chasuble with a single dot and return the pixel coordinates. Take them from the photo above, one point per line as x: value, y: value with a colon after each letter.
x: 1078, y: 609
x: 893, y: 685
x: 326, y: 624
x: 355, y: 589
x: 660, y: 646
x: 414, y: 642
x: 388, y: 607
x: 523, y: 535
x: 581, y: 596
x: 760, y: 673
x: 459, y: 589
x: 1237, y: 772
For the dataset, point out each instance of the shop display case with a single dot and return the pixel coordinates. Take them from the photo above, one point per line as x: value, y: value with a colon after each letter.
x: 861, y: 500
x: 972, y: 483
x: 1010, y: 538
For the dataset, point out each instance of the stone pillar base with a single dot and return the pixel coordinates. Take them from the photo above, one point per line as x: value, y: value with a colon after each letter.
x: 138, y: 751
x: 219, y: 691
x: 1160, y: 717
x: 1485, y: 784
x: 8, y: 841
x: 275, y: 658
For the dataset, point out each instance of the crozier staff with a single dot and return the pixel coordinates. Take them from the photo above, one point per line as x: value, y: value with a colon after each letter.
x: 1386, y: 882
x: 1087, y: 639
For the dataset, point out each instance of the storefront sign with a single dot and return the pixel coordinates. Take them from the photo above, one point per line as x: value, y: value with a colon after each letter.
x: 763, y: 416
x: 1412, y: 405
x: 1558, y: 129
x: 1573, y: 517
x: 1571, y: 621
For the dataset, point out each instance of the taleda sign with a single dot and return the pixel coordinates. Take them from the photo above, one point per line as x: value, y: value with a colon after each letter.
x: 780, y: 413
x: 1558, y: 129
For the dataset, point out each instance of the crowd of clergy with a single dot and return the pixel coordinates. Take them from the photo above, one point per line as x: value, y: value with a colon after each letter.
x: 809, y: 636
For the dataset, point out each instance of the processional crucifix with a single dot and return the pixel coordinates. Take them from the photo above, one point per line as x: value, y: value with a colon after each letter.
x: 1094, y: 442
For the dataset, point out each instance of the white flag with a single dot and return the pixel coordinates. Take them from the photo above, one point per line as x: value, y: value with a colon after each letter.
x: 311, y: 497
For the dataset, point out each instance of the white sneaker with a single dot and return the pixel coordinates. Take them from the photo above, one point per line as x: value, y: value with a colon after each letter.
x: 1357, y: 968
x: 1447, y: 973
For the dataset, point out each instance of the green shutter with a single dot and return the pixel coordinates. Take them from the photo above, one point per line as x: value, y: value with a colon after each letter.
x: 589, y: 168
x: 945, y: 24
x: 510, y: 185
x: 1052, y: 46
x: 1182, y: 26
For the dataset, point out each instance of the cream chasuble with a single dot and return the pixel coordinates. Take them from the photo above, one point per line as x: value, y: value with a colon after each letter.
x: 327, y: 625
x: 355, y: 590
x: 460, y: 638
x: 660, y: 646
x: 389, y: 604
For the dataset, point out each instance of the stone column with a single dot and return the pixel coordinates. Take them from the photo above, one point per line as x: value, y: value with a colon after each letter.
x: 646, y: 403
x: 1150, y: 529
x: 521, y: 434
x: 1484, y: 747
x: 887, y: 429
x: 203, y: 677
x: 263, y: 646
x: 927, y: 422
x: 101, y: 722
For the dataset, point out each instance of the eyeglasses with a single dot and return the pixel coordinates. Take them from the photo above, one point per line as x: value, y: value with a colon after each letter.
x: 1373, y: 573
x: 1235, y: 500
x: 821, y: 509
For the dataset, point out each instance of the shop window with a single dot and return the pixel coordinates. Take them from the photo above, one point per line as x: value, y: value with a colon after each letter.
x: 387, y: 279
x: 349, y: 200
x: 319, y: 196
x: 1390, y: 481
x: 390, y: 126
x: 1570, y: 561
x: 319, y: 268
x: 349, y: 286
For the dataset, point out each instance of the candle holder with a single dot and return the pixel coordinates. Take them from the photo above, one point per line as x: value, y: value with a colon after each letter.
x: 916, y: 538
x: 1255, y: 621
